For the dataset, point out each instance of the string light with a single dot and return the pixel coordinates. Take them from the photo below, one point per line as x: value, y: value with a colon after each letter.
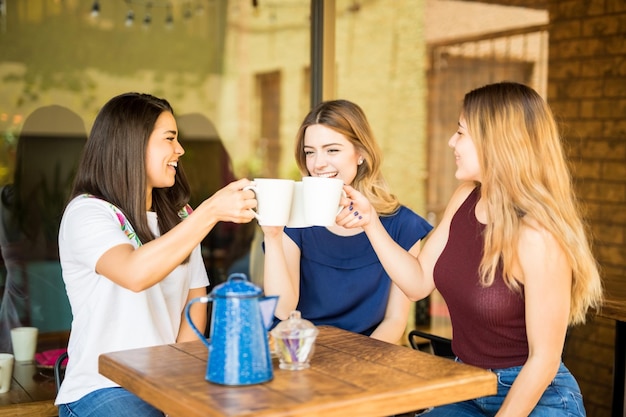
x: 169, y: 18
x: 189, y: 9
x: 148, y: 18
x: 130, y: 18
x: 188, y: 13
x: 3, y: 16
x: 95, y: 9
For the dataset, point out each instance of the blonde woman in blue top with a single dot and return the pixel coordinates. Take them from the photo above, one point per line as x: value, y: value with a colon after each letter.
x: 333, y: 275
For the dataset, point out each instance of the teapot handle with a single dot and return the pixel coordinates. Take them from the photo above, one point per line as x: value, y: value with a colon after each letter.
x: 238, y: 275
x: 204, y: 299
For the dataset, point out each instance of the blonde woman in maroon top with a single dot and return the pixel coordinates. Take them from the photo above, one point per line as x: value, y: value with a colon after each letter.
x: 511, y: 256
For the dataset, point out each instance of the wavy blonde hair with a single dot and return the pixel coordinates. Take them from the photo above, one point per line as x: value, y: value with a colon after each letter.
x: 348, y: 118
x: 525, y: 175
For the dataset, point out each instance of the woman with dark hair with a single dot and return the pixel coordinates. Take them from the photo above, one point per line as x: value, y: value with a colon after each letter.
x: 129, y: 248
x: 333, y: 275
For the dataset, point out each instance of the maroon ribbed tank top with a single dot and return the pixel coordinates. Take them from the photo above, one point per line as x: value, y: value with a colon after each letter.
x: 489, y: 329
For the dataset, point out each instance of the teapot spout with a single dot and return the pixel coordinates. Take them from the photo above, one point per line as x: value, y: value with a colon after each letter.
x: 268, y: 306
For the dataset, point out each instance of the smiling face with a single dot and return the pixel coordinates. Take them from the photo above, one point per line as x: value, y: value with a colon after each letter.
x: 329, y: 154
x: 162, y: 153
x: 468, y: 167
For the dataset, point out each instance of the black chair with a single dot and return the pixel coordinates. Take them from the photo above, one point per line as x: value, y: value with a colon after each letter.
x: 59, y: 370
x: 441, y: 346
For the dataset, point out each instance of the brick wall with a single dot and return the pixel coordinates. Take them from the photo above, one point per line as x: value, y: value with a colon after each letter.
x: 589, y: 355
x: 587, y: 92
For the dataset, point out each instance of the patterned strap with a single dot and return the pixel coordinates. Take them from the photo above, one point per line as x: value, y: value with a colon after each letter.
x: 125, y: 224
x: 185, y: 212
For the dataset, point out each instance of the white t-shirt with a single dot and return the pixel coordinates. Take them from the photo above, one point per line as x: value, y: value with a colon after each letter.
x: 107, y: 317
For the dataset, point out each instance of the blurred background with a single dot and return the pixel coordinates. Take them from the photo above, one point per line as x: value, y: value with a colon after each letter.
x: 241, y: 75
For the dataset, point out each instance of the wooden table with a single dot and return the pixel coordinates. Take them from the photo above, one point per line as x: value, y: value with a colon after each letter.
x: 32, y: 392
x: 350, y: 374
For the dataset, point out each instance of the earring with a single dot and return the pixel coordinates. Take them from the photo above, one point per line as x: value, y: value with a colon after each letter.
x: 360, y: 161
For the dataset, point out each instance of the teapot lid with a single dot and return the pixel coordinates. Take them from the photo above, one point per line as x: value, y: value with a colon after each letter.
x: 294, y: 327
x: 237, y: 285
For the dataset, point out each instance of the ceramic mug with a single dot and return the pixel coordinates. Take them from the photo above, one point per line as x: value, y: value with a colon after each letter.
x: 24, y: 341
x: 321, y: 200
x: 274, y: 198
x: 296, y: 216
x: 6, y: 371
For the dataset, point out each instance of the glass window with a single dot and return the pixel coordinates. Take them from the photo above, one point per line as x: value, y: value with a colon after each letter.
x: 238, y: 74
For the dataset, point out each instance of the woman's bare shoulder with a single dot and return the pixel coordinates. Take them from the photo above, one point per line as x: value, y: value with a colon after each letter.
x: 460, y: 195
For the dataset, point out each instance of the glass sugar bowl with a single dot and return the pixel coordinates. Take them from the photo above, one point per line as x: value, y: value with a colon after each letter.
x: 295, y: 342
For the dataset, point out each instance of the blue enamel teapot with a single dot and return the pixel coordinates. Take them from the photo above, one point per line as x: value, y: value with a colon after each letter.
x: 239, y: 352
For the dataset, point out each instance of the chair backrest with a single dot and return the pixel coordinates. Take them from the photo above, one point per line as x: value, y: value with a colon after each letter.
x: 441, y: 346
x: 59, y: 371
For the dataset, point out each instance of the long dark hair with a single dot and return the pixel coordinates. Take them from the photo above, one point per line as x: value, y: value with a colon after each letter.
x: 113, y: 163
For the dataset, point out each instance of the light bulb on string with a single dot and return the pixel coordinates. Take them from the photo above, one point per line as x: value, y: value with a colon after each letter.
x: 190, y: 8
x: 130, y: 18
x: 148, y: 18
x: 188, y: 13
x: 95, y: 9
x: 169, y: 18
x: 199, y: 9
x: 130, y: 14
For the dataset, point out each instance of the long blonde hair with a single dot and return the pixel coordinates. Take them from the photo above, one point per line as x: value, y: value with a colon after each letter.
x: 349, y: 119
x: 525, y: 175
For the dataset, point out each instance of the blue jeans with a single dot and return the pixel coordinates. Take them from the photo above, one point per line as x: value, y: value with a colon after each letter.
x: 109, y: 402
x: 562, y: 398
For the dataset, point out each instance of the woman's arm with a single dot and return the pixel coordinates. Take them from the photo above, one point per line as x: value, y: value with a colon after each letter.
x: 413, y: 277
x: 198, y: 314
x: 392, y: 328
x: 401, y: 266
x: 281, y: 271
x: 547, y: 278
x: 139, y: 269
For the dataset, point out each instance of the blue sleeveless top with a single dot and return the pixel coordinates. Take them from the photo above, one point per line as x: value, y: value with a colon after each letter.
x: 342, y: 282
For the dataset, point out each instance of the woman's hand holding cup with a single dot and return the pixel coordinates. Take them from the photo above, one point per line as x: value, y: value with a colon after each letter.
x: 357, y: 211
x: 233, y: 203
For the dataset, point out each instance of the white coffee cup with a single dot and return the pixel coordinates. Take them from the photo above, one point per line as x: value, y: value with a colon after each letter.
x: 296, y: 216
x: 24, y: 340
x: 6, y: 371
x: 273, y: 197
x: 321, y: 200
